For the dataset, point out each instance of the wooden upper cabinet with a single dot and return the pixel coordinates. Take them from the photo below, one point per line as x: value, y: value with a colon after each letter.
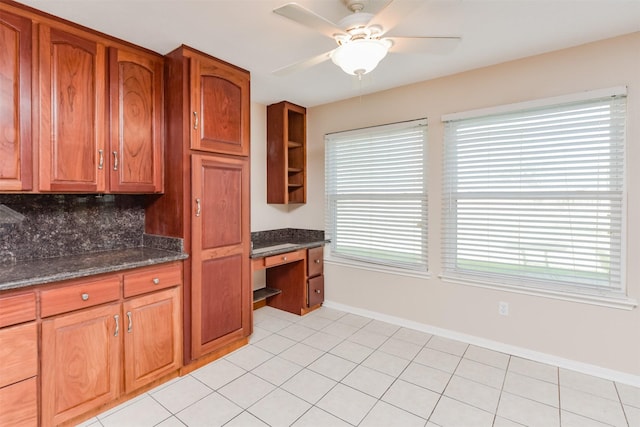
x: 136, y: 122
x: 72, y: 112
x: 220, y: 107
x: 15, y: 103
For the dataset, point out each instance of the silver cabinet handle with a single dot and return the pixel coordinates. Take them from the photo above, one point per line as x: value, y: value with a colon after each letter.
x: 195, y: 120
x: 130, y: 322
x: 198, y: 207
x: 116, y: 318
x: 156, y: 281
x: 100, y: 159
x: 85, y: 297
x: 115, y: 160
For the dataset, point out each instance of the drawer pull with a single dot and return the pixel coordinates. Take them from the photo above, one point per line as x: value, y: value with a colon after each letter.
x: 284, y: 258
x: 317, y: 291
x: 116, y: 318
x: 85, y: 297
x: 156, y: 281
x: 317, y: 261
x: 130, y: 327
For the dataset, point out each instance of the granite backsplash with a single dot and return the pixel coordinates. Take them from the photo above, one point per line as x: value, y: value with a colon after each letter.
x: 57, y: 225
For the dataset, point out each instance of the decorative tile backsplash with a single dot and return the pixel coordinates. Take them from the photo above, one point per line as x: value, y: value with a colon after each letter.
x: 56, y: 225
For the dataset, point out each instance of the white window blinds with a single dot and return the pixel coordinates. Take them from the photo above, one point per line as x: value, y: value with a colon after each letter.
x: 535, y: 197
x: 376, y: 194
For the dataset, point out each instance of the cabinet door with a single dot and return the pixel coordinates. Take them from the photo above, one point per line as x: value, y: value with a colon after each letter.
x: 316, y: 290
x: 15, y: 103
x: 18, y: 353
x: 315, y: 261
x: 136, y: 122
x: 221, y: 286
x: 19, y: 403
x: 152, y: 337
x: 80, y: 363
x: 72, y: 112
x: 220, y: 108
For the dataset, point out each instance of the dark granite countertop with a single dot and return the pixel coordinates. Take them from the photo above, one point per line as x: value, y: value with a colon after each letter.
x: 274, y: 242
x: 22, y: 274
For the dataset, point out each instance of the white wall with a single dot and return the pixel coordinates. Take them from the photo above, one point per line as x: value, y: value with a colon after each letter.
x: 594, y: 335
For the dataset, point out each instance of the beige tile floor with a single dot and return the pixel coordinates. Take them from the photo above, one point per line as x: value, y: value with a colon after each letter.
x: 331, y: 368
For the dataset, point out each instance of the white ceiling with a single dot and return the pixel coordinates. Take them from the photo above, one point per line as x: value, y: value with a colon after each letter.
x: 248, y: 34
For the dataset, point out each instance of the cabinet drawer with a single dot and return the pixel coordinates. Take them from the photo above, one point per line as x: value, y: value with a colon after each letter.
x: 152, y: 279
x: 284, y: 258
x: 18, y: 353
x: 79, y: 294
x: 315, y: 261
x: 316, y: 290
x: 17, y: 309
x: 19, y: 403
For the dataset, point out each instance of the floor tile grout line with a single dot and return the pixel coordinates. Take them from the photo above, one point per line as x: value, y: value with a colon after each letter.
x: 504, y: 380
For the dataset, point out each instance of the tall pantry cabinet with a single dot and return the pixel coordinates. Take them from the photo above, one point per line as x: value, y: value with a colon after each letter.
x: 206, y: 200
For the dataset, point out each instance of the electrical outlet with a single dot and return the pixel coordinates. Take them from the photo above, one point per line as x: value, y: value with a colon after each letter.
x: 503, y: 308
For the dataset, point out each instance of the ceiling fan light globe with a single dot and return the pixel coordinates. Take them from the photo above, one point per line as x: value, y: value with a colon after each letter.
x: 359, y: 57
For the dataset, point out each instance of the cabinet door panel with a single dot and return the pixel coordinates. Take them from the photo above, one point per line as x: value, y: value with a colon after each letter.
x: 18, y: 353
x: 221, y: 213
x: 73, y: 97
x: 152, y: 339
x: 221, y: 297
x: 315, y: 261
x: 16, y: 309
x: 15, y: 103
x: 80, y: 362
x: 220, y: 106
x: 136, y: 122
x: 221, y: 301
x: 19, y: 403
x: 316, y: 290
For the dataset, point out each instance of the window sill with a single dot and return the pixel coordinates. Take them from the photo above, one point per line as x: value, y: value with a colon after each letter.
x: 604, y: 300
x: 376, y: 267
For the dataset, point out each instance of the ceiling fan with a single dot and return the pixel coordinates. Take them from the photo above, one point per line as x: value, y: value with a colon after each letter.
x: 361, y: 36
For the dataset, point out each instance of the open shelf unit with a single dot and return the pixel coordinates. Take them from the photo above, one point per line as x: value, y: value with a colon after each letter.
x: 286, y: 153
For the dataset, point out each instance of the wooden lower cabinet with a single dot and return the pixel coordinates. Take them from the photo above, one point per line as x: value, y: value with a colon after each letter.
x: 80, y: 362
x: 18, y: 360
x: 152, y: 342
x: 298, y: 275
x: 18, y: 370
x: 94, y: 356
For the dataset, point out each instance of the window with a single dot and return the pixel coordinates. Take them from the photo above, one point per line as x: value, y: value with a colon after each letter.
x: 376, y: 194
x: 533, y: 197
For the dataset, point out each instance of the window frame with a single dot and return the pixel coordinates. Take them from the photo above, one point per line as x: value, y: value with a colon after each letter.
x: 334, y: 254
x: 617, y: 297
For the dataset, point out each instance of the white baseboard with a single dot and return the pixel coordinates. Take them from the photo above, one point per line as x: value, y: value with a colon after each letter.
x: 585, y: 368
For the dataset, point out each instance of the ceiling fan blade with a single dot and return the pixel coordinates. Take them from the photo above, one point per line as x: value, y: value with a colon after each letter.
x: 434, y: 45
x: 308, y: 18
x: 299, y: 66
x: 394, y: 12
